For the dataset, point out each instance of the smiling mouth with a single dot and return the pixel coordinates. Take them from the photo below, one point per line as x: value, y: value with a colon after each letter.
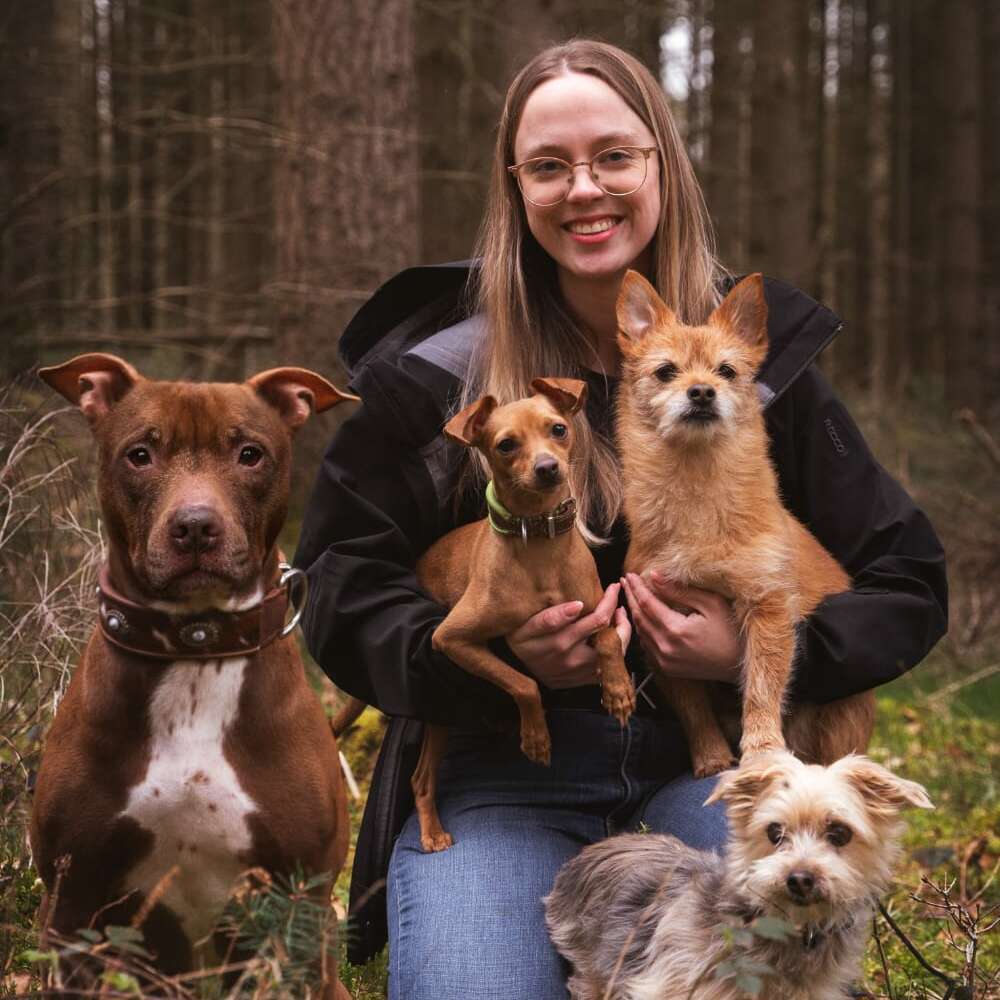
x: 592, y: 228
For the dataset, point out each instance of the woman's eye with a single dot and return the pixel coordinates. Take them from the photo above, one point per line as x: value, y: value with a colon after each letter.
x: 775, y: 833
x: 728, y: 372
x: 559, y: 430
x: 839, y: 835
x: 613, y: 157
x: 250, y: 454
x: 139, y: 456
x: 506, y: 446
x: 546, y: 168
x: 667, y: 372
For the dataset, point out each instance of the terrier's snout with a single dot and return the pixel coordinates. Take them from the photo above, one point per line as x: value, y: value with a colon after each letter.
x: 547, y: 470
x: 195, y: 528
x: 701, y: 395
x: 801, y: 886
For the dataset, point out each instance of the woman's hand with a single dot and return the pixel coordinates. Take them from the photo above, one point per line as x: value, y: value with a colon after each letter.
x: 553, y: 644
x: 700, y: 643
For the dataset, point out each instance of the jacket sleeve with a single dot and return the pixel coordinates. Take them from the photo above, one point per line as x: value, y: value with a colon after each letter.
x: 373, y: 510
x: 896, y: 609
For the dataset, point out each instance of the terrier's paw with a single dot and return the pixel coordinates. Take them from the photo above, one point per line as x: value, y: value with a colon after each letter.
x: 536, y: 746
x: 749, y: 747
x: 434, y: 842
x: 619, y: 701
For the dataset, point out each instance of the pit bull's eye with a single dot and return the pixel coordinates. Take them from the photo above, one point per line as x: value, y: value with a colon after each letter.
x: 139, y: 457
x: 559, y: 430
x: 667, y: 372
x: 250, y: 454
x: 727, y: 372
x: 775, y: 833
x: 506, y: 446
x: 838, y: 834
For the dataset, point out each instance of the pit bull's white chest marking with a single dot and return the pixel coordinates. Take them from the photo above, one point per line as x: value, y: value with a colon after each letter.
x: 190, y: 797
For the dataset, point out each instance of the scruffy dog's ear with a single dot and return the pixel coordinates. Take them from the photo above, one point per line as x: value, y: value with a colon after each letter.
x: 94, y: 382
x: 744, y: 312
x: 883, y: 792
x: 639, y: 309
x: 467, y: 425
x: 742, y: 787
x: 567, y: 395
x: 297, y: 393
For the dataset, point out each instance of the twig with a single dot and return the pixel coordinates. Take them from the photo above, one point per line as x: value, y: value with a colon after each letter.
x: 980, y: 433
x: 882, y: 958
x: 912, y: 948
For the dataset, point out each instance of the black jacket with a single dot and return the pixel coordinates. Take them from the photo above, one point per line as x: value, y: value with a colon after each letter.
x: 386, y: 491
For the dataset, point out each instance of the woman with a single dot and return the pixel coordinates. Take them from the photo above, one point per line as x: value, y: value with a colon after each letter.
x: 561, y: 228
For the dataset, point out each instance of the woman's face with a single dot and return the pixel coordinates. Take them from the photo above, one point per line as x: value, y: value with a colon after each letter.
x: 590, y: 234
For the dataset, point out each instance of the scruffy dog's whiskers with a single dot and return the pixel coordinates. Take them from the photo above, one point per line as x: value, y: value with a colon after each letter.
x: 639, y: 915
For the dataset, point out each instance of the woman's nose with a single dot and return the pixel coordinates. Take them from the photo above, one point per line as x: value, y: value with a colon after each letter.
x: 583, y: 187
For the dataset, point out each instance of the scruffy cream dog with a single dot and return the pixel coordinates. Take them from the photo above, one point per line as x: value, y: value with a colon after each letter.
x: 640, y: 916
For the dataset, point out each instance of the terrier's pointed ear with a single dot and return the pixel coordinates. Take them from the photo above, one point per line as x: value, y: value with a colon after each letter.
x: 94, y: 382
x: 883, y: 792
x: 639, y: 309
x: 744, y: 312
x: 742, y: 787
x: 297, y: 393
x: 467, y: 425
x: 567, y: 395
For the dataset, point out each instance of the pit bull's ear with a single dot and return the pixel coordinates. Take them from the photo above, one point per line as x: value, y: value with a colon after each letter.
x: 639, y: 310
x: 742, y: 787
x: 567, y: 395
x: 297, y: 393
x: 744, y: 312
x: 883, y: 792
x: 94, y: 382
x: 467, y: 425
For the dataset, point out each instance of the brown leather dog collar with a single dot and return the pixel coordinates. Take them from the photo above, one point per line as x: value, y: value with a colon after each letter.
x: 554, y: 522
x: 207, y: 635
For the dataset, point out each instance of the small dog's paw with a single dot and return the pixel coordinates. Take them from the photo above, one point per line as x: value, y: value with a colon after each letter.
x: 434, y: 842
x: 536, y: 746
x: 704, y: 765
x: 619, y: 702
x: 748, y: 748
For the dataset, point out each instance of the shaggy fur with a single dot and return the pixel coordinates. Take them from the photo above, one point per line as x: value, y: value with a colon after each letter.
x: 702, y: 506
x: 639, y: 916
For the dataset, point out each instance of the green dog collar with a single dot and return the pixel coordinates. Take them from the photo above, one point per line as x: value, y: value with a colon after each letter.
x: 554, y: 522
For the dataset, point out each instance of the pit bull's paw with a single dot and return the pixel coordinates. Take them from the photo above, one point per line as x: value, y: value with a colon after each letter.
x: 619, y: 701
x: 537, y: 746
x: 434, y: 842
x: 705, y: 762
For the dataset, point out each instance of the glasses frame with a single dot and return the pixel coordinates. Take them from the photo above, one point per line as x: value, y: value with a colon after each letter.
x: 515, y: 169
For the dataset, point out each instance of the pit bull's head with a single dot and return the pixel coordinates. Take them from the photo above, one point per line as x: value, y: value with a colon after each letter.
x: 194, y: 478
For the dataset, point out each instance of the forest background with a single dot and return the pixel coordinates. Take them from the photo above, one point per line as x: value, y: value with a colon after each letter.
x: 210, y: 187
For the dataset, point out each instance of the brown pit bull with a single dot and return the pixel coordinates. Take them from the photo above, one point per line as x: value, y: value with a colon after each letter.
x: 188, y: 738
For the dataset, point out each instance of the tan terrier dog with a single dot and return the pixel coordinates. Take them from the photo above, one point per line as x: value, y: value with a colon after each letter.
x: 702, y: 506
x: 527, y: 555
x: 642, y: 916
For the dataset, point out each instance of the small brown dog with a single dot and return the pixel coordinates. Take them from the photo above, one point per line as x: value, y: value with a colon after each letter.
x: 496, y: 573
x: 644, y: 917
x: 702, y: 506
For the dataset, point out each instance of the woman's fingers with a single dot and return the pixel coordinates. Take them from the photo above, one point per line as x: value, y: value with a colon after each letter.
x: 548, y: 621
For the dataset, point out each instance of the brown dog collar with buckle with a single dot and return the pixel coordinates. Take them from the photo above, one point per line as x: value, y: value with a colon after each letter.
x: 554, y: 522
x: 207, y: 635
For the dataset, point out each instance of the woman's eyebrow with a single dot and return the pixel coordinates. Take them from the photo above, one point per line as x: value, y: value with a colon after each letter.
x: 599, y: 143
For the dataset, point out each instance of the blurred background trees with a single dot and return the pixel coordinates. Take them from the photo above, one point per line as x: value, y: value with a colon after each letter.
x: 223, y: 182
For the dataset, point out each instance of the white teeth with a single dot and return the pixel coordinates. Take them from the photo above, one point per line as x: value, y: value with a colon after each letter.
x: 584, y: 228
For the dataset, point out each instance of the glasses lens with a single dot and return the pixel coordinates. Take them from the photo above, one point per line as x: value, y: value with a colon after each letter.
x: 545, y: 181
x: 620, y: 170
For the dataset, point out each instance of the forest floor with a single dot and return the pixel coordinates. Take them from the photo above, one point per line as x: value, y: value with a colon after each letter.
x: 939, y: 725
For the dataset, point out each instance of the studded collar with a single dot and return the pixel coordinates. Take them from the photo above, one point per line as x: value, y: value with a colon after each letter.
x: 205, y: 635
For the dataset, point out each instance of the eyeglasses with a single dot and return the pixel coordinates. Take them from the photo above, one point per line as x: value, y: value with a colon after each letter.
x: 547, y: 180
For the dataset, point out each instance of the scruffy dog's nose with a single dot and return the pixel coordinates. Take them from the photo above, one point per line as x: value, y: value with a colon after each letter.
x: 701, y: 395
x: 546, y: 469
x: 195, y: 529
x: 801, y: 885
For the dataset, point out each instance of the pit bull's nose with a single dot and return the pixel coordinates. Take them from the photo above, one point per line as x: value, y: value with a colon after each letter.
x: 547, y: 470
x: 195, y: 529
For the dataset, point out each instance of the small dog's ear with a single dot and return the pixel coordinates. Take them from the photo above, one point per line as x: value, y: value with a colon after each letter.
x: 883, y: 792
x: 742, y: 787
x: 639, y: 309
x: 467, y: 425
x: 567, y: 395
x: 744, y: 313
x: 94, y: 382
x: 297, y: 393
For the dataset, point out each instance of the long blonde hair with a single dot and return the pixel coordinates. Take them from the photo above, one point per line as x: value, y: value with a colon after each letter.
x: 529, y: 331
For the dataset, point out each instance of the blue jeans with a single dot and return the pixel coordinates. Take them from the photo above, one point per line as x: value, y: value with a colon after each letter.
x: 468, y: 923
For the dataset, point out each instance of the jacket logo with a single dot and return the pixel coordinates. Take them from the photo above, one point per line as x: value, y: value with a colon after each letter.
x: 831, y: 430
